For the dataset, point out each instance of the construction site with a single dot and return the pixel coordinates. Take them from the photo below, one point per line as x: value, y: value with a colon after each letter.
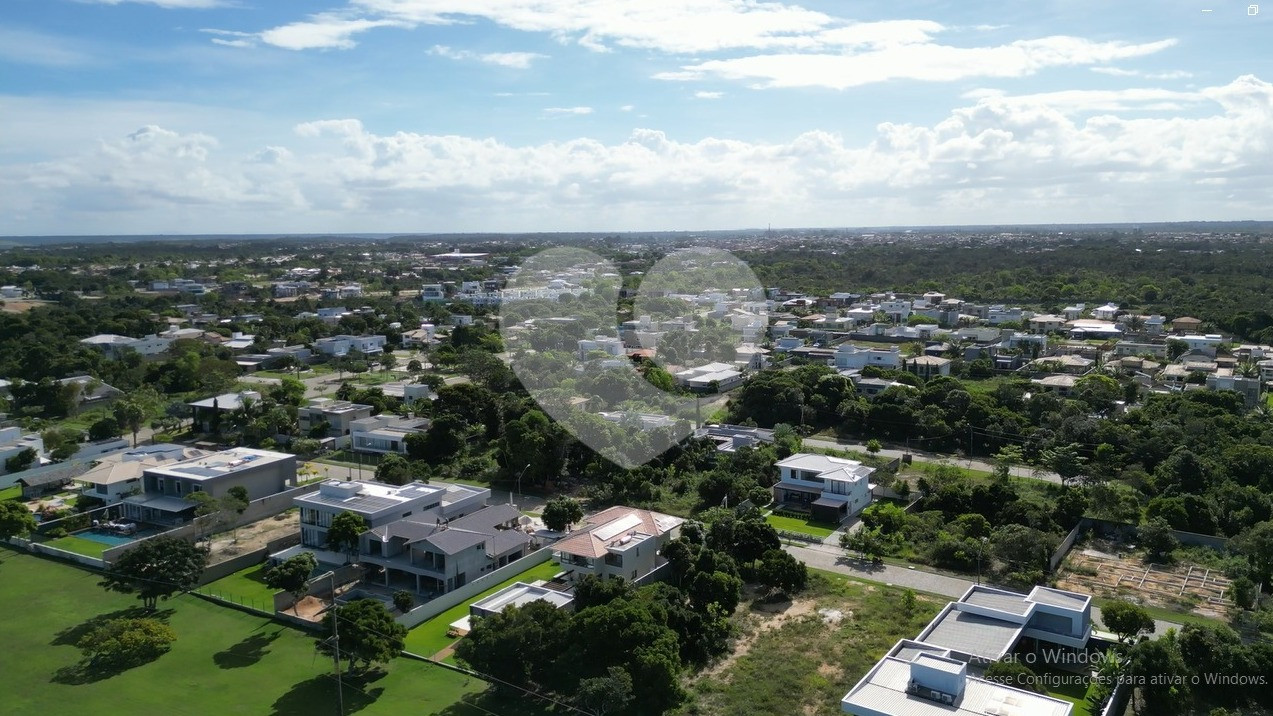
x: 1102, y: 570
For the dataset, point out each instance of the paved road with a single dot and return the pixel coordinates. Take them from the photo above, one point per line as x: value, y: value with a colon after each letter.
x: 834, y: 560
x: 924, y: 456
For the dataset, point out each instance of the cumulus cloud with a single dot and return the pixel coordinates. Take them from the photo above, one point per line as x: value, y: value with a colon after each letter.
x: 999, y: 158
x: 702, y: 94
x: 924, y: 61
x: 512, y: 60
x: 1119, y: 72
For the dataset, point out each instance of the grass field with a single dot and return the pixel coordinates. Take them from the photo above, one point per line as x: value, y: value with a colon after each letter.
x: 430, y: 637
x: 247, y: 586
x: 803, y: 526
x: 223, y: 662
x: 12, y: 492
x: 79, y: 545
x: 802, y: 662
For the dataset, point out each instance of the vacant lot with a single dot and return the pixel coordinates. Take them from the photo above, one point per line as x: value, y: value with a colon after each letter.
x: 802, y: 657
x: 223, y: 662
x: 1100, y: 570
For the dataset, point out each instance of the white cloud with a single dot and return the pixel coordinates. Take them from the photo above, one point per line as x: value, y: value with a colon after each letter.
x: 1118, y: 72
x: 924, y: 61
x: 999, y: 159
x: 708, y: 95
x: 1072, y: 101
x: 627, y: 108
x: 37, y: 48
x: 666, y: 25
x: 567, y: 111
x: 512, y: 60
x: 324, y: 31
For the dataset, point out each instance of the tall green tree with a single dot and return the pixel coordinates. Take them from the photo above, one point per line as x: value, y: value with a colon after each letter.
x: 15, y: 520
x: 1127, y: 620
x: 561, y: 512
x: 368, y: 633
x: 292, y: 576
x: 130, y: 413
x: 156, y: 568
x: 343, y: 534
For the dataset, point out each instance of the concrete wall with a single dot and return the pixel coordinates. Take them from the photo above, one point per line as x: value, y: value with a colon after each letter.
x: 434, y: 607
x: 1106, y: 527
x: 44, y: 549
x: 321, y: 586
x: 227, y: 567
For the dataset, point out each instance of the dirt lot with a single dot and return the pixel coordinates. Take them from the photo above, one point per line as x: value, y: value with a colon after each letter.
x: 1101, y: 570
x: 254, y: 536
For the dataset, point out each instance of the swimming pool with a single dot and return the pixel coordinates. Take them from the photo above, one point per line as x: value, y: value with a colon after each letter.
x: 111, y: 538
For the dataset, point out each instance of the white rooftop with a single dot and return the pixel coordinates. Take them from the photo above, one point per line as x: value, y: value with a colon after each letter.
x: 221, y: 463
x: 520, y: 594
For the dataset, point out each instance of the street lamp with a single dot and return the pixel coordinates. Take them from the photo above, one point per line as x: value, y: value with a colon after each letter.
x: 519, y: 484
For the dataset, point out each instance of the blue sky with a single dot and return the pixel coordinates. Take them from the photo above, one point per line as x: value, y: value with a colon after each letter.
x: 209, y: 116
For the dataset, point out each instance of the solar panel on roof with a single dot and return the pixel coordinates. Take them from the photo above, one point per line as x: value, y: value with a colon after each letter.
x: 609, y: 531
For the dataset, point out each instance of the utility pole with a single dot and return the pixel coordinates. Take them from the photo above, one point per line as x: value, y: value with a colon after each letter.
x: 340, y: 686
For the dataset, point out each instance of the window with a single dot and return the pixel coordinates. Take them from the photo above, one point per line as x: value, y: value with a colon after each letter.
x: 100, y: 489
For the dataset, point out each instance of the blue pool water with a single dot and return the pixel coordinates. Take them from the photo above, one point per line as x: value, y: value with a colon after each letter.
x: 109, y: 538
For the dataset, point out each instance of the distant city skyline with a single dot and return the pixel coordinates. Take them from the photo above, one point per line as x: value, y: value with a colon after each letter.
x: 434, y: 116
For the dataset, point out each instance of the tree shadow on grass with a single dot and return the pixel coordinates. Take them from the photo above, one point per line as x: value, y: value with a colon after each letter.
x: 316, y: 695
x: 88, y: 672
x: 247, y: 652
x: 71, y: 636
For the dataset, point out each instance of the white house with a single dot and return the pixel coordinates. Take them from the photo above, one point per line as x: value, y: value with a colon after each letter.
x: 721, y: 376
x: 1046, y: 323
x: 605, y: 344
x: 939, y: 673
x: 10, y: 292
x: 114, y: 345
x: 1108, y: 312
x: 377, y: 503
x: 165, y: 489
x: 1004, y: 314
x: 342, y: 345
x: 119, y: 475
x: 617, y: 542
x: 851, y: 357
x: 432, y: 292
x: 13, y: 442
x: 338, y: 414
x: 898, y: 311
x: 831, y: 488
x: 381, y: 434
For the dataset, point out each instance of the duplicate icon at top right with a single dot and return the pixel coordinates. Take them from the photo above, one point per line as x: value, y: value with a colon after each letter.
x: 1253, y: 9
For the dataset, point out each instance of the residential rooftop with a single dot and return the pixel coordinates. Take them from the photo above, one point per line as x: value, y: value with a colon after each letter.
x: 221, y: 463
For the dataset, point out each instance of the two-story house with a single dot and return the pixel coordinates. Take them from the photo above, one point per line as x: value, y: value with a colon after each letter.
x: 617, y: 542
x: 165, y: 489
x: 830, y: 488
x: 339, y: 415
x: 119, y: 475
x: 342, y: 345
x: 430, y: 554
x: 377, y: 503
x: 384, y: 433
x: 849, y: 357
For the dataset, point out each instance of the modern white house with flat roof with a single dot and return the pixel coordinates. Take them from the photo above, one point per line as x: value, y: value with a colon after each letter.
x: 114, y: 346
x: 938, y: 673
x: 339, y: 415
x: 851, y: 357
x: 166, y: 488
x: 375, y: 502
x: 519, y: 594
x: 712, y: 376
x: 380, y: 434
x: 341, y: 345
x: 830, y: 488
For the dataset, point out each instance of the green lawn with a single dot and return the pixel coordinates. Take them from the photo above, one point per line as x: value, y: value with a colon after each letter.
x: 79, y: 545
x: 13, y: 492
x: 223, y: 662
x: 247, y: 586
x: 430, y: 637
x: 803, y: 526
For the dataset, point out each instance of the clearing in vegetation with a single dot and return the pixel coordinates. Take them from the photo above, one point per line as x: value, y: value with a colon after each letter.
x: 1180, y: 587
x: 802, y: 657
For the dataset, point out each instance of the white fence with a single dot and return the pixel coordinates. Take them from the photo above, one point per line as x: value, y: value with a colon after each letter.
x: 434, y: 607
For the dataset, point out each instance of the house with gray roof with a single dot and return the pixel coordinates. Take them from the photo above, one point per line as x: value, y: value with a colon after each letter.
x: 430, y: 554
